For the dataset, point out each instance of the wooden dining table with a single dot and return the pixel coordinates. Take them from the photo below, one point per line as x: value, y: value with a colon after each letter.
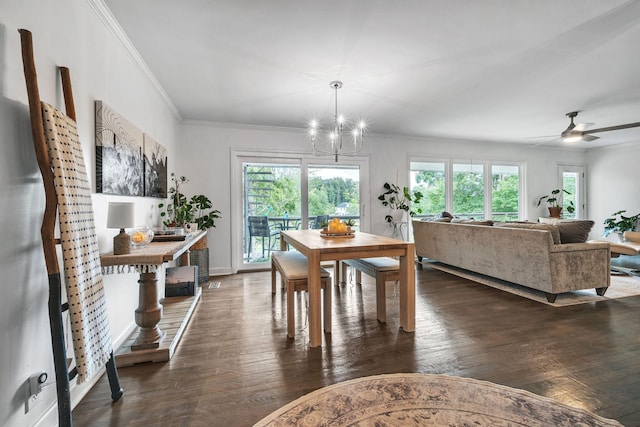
x: 317, y: 248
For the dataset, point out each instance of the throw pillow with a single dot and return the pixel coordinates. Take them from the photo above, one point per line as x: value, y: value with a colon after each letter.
x: 552, y: 228
x: 575, y: 231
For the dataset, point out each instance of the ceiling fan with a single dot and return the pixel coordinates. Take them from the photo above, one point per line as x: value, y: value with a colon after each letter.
x: 574, y: 133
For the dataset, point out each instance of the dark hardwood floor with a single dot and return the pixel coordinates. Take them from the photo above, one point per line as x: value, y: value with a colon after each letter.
x: 235, y: 364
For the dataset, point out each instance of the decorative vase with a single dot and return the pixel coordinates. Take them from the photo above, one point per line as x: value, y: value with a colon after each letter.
x: 397, y: 214
x: 141, y: 236
x: 555, y: 212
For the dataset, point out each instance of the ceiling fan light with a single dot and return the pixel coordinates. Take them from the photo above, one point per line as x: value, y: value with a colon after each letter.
x: 572, y: 138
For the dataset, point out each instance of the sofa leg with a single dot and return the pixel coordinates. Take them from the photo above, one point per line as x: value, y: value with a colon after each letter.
x: 551, y: 297
x: 601, y: 291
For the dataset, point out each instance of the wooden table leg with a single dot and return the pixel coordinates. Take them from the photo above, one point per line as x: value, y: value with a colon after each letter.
x: 315, y: 328
x: 408, y: 290
x: 148, y: 313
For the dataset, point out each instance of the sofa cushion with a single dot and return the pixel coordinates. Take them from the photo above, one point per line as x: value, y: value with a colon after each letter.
x: 472, y: 221
x: 552, y: 228
x: 574, y: 231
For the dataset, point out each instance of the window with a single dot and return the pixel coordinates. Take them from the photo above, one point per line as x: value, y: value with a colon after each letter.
x: 571, y: 179
x: 478, y: 190
x: 468, y: 190
x: 505, y: 191
x: 429, y: 179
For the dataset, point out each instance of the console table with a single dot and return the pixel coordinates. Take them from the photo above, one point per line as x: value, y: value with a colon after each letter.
x: 150, y: 342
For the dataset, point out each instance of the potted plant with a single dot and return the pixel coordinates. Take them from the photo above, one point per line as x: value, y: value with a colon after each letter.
x: 399, y: 200
x: 181, y: 211
x: 553, y: 202
x: 619, y: 224
x: 202, y: 212
x: 175, y: 212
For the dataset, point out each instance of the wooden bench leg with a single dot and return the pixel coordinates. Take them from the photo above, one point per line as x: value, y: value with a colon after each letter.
x: 327, y: 306
x: 343, y: 272
x: 291, y: 325
x: 273, y: 277
x: 381, y: 297
x: 358, y: 277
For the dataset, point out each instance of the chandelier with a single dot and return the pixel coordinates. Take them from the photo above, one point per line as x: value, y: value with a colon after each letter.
x: 330, y: 141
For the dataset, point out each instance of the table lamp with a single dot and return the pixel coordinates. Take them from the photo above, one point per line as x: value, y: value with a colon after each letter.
x: 120, y: 215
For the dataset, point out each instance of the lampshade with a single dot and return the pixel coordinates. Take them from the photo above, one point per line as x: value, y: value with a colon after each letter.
x: 120, y: 215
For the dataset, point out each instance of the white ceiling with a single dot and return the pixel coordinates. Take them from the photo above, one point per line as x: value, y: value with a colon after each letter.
x: 495, y: 70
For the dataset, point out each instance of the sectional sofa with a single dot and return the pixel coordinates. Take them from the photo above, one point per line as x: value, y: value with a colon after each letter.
x: 528, y: 254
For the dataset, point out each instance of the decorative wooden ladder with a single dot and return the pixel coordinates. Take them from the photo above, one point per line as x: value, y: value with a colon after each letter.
x: 49, y: 242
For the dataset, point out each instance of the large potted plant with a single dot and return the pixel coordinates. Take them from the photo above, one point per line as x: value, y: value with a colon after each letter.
x: 553, y: 202
x: 399, y: 200
x: 182, y: 211
x: 620, y: 224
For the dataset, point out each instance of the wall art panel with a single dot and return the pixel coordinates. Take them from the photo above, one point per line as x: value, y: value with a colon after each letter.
x: 119, y: 154
x: 155, y: 168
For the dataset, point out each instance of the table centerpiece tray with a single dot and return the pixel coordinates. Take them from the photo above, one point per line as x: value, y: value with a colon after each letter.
x: 329, y: 234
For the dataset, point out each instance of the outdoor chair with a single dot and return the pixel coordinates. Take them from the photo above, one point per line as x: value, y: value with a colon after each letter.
x: 320, y: 219
x: 259, y: 227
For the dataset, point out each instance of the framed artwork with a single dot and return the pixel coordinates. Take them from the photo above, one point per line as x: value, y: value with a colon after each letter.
x: 155, y: 169
x: 119, y: 154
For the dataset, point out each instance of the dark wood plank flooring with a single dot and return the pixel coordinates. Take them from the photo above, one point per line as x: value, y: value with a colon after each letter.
x: 235, y: 364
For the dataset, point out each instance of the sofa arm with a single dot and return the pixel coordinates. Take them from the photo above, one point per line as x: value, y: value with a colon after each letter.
x: 580, y: 266
x: 572, y: 247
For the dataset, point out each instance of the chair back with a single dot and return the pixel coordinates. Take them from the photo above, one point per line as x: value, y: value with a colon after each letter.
x: 259, y: 226
x: 320, y: 219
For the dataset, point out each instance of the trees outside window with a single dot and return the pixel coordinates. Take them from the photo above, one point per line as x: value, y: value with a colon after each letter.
x: 465, y: 190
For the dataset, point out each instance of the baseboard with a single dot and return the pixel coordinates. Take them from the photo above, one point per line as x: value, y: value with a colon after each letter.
x: 220, y: 271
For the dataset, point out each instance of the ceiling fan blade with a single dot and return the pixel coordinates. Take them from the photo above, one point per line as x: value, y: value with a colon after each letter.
x: 542, y: 137
x: 548, y: 140
x: 587, y: 138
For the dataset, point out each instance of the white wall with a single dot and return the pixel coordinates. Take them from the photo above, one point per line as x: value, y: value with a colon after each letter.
x: 69, y: 33
x: 613, y: 182
x: 207, y: 164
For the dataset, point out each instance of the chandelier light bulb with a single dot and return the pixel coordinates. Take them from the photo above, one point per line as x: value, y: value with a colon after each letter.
x: 329, y: 141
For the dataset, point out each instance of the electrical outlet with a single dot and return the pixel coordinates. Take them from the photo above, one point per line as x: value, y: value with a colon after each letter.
x: 33, y: 390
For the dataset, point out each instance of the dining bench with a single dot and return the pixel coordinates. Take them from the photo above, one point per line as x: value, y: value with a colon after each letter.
x: 383, y: 269
x: 293, y: 269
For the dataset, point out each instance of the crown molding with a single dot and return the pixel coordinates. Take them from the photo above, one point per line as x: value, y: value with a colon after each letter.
x: 105, y: 15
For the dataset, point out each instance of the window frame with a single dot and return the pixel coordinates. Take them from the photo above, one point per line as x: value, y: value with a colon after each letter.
x: 487, y: 176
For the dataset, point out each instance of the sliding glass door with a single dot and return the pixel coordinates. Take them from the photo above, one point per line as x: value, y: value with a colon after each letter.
x: 271, y: 203
x: 270, y: 194
x: 334, y: 191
